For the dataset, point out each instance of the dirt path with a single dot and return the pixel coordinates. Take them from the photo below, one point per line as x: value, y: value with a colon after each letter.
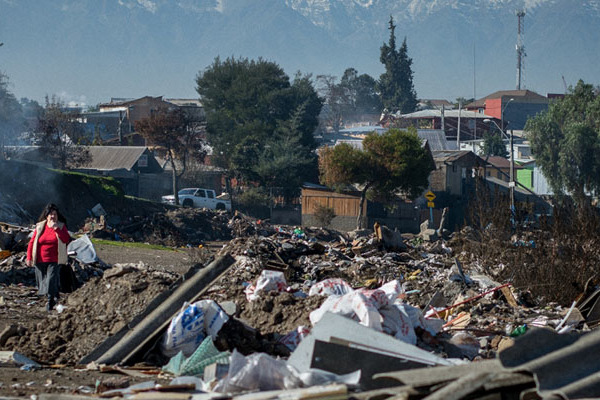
x: 178, y: 261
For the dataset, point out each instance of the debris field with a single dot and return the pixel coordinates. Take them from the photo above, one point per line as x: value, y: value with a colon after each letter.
x: 411, y: 303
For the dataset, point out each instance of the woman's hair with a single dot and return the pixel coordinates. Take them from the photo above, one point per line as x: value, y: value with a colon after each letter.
x: 48, y: 210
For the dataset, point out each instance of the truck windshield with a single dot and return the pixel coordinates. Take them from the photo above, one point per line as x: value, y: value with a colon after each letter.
x: 186, y: 192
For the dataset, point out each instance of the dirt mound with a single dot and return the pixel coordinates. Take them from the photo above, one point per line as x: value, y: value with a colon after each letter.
x: 100, y: 308
x: 279, y: 312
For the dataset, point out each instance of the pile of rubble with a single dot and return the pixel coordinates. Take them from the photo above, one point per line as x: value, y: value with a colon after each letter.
x: 315, y: 311
x: 176, y: 228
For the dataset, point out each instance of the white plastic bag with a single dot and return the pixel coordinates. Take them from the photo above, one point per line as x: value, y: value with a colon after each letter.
x: 397, y: 323
x: 330, y: 287
x: 267, y: 281
x: 193, y: 323
x: 352, y: 305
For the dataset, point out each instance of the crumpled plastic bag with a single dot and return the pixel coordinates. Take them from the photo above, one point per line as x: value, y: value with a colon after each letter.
x: 380, y: 309
x: 189, y: 328
x: 260, y: 371
x: 353, y: 305
x: 330, y: 287
x: 267, y: 281
x: 362, y: 305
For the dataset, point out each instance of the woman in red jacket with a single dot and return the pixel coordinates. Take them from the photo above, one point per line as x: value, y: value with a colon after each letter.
x: 47, y: 250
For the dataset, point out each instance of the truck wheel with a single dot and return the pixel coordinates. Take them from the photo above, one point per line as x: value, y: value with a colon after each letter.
x: 220, y: 206
x: 188, y: 203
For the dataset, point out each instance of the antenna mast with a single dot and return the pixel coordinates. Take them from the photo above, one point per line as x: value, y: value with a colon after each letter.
x: 520, y: 48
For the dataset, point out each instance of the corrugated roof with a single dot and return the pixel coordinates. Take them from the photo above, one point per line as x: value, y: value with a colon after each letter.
x: 500, y: 162
x: 449, y: 155
x: 447, y: 114
x: 436, y: 138
x: 114, y: 157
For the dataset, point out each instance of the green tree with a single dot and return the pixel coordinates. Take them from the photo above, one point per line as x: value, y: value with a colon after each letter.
x: 60, y: 136
x: 565, y: 141
x: 179, y: 135
x: 337, y: 101
x: 362, y: 93
x: 246, y: 102
x: 11, y: 116
x: 391, y: 163
x: 285, y: 162
x: 396, y: 83
x: 493, y: 145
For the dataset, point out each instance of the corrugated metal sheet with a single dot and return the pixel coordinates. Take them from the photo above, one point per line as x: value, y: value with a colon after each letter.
x: 436, y: 138
x: 564, y: 366
x: 450, y: 156
x: 106, y: 158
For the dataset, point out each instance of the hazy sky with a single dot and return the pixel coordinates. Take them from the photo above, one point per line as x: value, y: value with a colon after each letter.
x: 87, y: 51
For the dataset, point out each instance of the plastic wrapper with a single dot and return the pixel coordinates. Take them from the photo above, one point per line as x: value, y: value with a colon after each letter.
x: 189, y: 328
x: 267, y: 281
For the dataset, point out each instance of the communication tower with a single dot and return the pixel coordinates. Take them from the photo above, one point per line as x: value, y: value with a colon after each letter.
x: 520, y: 48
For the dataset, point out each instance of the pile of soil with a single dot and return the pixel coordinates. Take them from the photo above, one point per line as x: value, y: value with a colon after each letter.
x: 100, y: 308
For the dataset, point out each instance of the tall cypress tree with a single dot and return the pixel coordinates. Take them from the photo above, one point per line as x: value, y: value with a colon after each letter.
x: 396, y: 83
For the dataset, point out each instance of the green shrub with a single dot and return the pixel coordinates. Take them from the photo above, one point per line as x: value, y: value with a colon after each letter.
x: 324, y: 215
x: 254, y: 197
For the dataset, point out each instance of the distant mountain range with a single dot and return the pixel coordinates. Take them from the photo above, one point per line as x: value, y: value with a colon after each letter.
x: 127, y: 48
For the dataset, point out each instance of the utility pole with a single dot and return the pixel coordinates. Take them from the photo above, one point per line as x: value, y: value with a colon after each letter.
x: 511, y: 184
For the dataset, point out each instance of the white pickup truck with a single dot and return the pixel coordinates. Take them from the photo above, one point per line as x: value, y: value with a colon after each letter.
x: 200, y: 198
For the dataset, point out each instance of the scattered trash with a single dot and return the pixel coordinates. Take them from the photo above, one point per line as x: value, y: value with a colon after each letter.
x: 344, y: 307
